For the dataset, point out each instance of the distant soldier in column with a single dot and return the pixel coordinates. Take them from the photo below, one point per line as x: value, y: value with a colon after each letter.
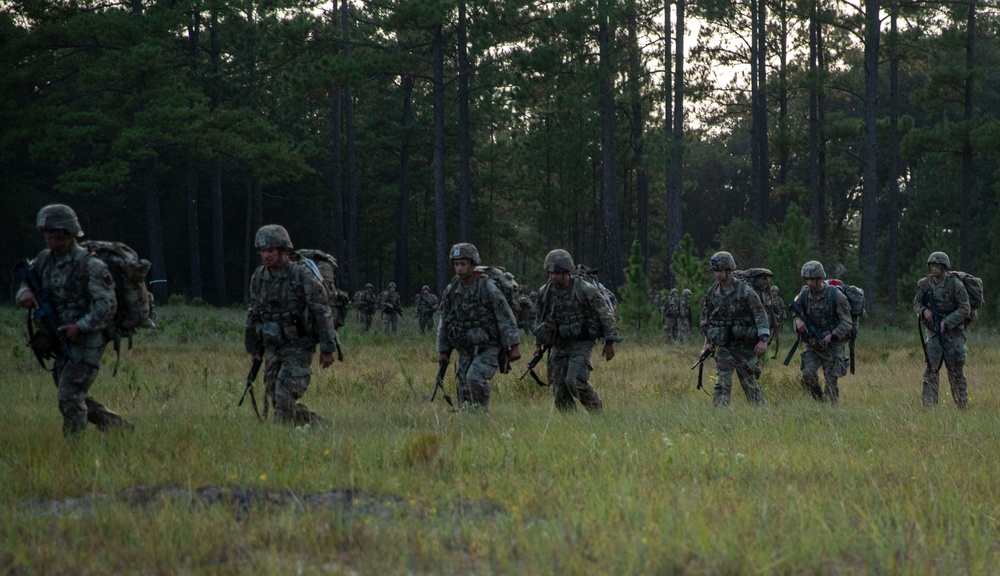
x: 289, y: 316
x: 824, y: 326
x: 779, y: 314
x: 734, y: 321
x: 671, y: 311
x: 392, y: 308
x: 427, y: 304
x: 366, y: 301
x: 942, y: 303
x: 81, y: 292
x: 684, y: 316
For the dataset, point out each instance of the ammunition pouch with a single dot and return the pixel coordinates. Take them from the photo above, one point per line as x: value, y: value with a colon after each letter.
x: 573, y: 331
x: 719, y: 335
x: 545, y: 334
x: 273, y: 334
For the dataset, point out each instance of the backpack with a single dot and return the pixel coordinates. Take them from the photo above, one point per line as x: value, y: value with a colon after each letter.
x: 134, y: 302
x: 855, y: 297
x: 759, y: 280
x: 974, y: 286
x: 505, y: 282
x: 324, y: 266
x: 583, y: 272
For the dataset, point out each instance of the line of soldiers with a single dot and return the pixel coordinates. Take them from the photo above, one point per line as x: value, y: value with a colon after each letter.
x: 289, y: 316
x: 675, y: 310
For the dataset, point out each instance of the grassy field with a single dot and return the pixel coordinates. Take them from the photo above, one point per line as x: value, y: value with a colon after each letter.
x: 660, y: 483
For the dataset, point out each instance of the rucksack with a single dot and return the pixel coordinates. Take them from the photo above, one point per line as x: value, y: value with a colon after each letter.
x: 324, y: 266
x: 587, y: 274
x: 759, y: 280
x: 134, y: 302
x: 505, y: 282
x: 855, y: 297
x: 974, y: 286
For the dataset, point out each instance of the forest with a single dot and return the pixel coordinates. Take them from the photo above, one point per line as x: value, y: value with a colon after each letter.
x: 864, y: 134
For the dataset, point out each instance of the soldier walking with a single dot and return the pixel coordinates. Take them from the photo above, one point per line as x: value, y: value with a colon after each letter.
x: 942, y: 303
x: 477, y: 321
x: 572, y: 315
x: 671, y: 311
x: 735, y: 322
x: 392, y: 308
x: 287, y: 318
x: 365, y: 301
x: 427, y: 305
x: 684, y: 316
x: 81, y: 291
x: 824, y: 327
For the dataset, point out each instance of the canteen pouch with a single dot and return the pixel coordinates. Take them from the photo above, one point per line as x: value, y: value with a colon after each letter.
x: 273, y: 334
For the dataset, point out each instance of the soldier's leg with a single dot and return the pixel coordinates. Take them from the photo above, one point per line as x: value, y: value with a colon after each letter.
x: 955, y: 355
x: 104, y: 419
x: 833, y: 369
x: 557, y: 373
x: 748, y: 369
x: 809, y: 364
x: 482, y: 367
x: 724, y: 364
x: 291, y: 384
x: 578, y: 371
x: 929, y: 393
x: 74, y: 380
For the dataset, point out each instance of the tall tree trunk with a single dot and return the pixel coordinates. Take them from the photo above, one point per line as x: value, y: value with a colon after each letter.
x: 760, y: 172
x: 675, y: 184
x: 154, y: 225
x: 337, y: 185
x: 353, y: 274
x: 869, y: 203
x: 218, y: 239
x: 816, y: 104
x: 638, y: 142
x: 441, y: 226
x: 194, y: 242
x: 965, y: 240
x: 783, y: 148
x: 403, y: 222
x: 666, y: 278
x: 464, y: 132
x: 609, y: 205
x: 892, y: 273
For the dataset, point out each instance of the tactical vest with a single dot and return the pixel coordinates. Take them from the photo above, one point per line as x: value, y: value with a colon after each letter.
x: 470, y: 309
x: 821, y: 308
x: 944, y: 294
x: 570, y: 313
x: 425, y: 305
x: 283, y: 301
x: 366, y: 301
x: 731, y: 318
x: 66, y: 280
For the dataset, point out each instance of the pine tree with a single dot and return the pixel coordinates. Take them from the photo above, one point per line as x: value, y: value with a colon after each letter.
x: 635, y: 308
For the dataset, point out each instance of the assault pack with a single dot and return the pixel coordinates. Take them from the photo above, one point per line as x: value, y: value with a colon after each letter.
x: 759, y: 280
x: 133, y: 299
x: 856, y: 299
x: 974, y: 286
x: 587, y: 274
x: 324, y: 267
x: 505, y: 282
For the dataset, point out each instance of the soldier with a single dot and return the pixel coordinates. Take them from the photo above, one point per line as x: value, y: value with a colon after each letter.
x: 477, y: 321
x: 824, y: 327
x: 942, y: 303
x: 366, y: 300
x: 81, y: 292
x: 288, y: 316
x: 392, y: 308
x: 572, y: 315
x: 671, y: 311
x: 735, y: 322
x: 427, y: 305
x: 779, y: 314
x: 684, y: 318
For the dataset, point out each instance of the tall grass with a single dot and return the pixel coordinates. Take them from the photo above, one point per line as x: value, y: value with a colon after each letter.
x: 660, y: 483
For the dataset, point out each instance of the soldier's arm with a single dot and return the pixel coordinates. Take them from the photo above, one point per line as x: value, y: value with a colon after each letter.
x: 103, y: 305
x: 758, y: 313
x: 961, y: 296
x: 319, y: 310
x: 251, y: 333
x: 609, y: 327
x: 844, y: 324
x: 918, y: 298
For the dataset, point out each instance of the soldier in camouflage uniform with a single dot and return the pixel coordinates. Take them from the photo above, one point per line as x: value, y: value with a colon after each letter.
x: 942, y: 303
x: 684, y: 317
x: 779, y: 315
x: 81, y: 291
x: 392, y: 308
x: 427, y: 305
x: 477, y: 321
x: 572, y: 315
x: 670, y: 310
x: 288, y: 316
x: 830, y: 312
x: 366, y: 301
x: 735, y: 322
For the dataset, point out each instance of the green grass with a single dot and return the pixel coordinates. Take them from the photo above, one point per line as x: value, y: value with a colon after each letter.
x: 660, y: 483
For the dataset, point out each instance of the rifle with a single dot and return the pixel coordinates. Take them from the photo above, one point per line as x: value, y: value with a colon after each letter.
x: 707, y: 353
x: 811, y: 330
x: 439, y: 383
x: 254, y: 369
x: 45, y: 312
x: 936, y: 326
x: 531, y: 366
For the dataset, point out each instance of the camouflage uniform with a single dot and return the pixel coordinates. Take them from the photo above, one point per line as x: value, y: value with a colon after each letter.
x: 392, y: 308
x: 81, y: 291
x: 570, y: 321
x: 366, y: 301
x: 734, y: 320
x: 951, y: 306
x: 830, y: 312
x: 778, y: 312
x: 684, y: 317
x: 288, y: 316
x: 671, y: 312
x: 477, y: 321
x: 427, y: 304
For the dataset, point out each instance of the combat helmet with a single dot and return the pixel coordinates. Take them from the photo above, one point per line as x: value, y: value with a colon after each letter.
x: 59, y: 217
x: 425, y: 288
x: 813, y: 269
x: 559, y: 261
x: 369, y: 286
x: 686, y: 293
x: 674, y: 291
x: 722, y: 261
x: 272, y: 236
x: 464, y: 250
x: 774, y: 288
x: 939, y: 258
x: 392, y: 285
